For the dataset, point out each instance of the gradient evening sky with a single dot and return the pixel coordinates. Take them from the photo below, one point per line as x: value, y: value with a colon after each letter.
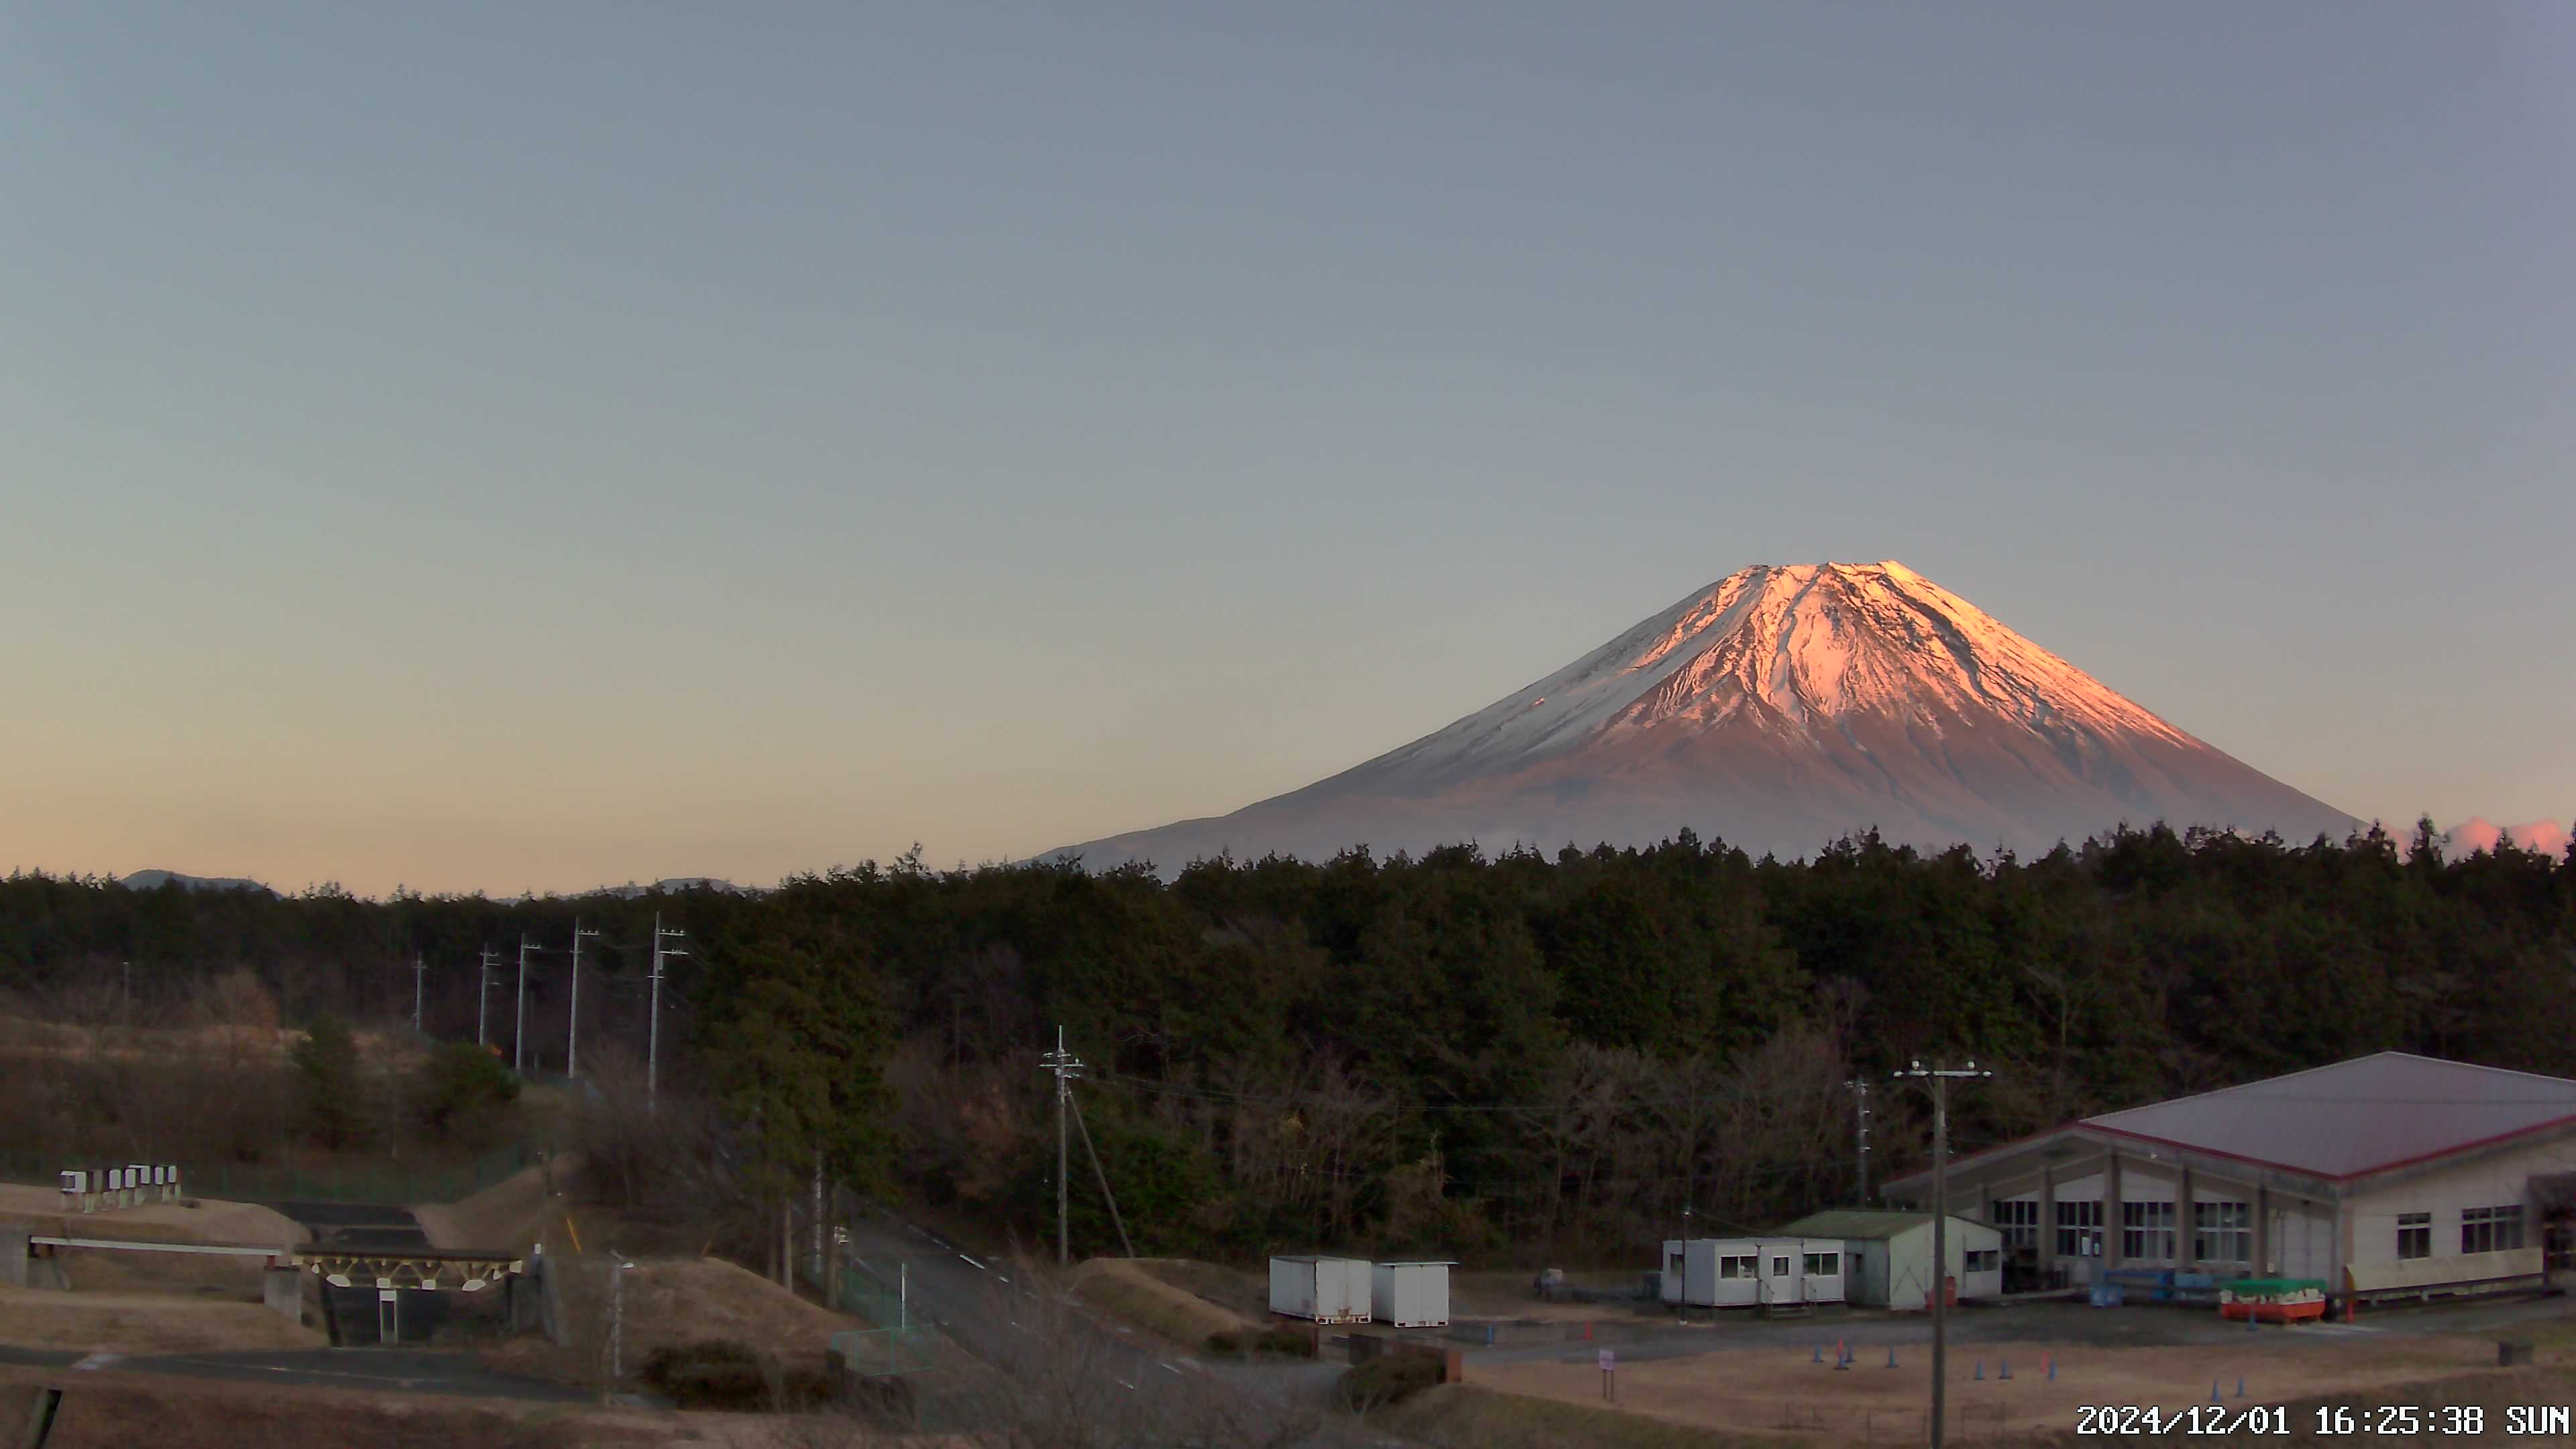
x: 537, y: 446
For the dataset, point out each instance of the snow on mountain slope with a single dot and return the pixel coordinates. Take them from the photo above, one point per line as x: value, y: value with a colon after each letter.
x: 1779, y: 708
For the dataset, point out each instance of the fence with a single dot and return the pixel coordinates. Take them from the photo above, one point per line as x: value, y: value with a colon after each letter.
x: 387, y: 1182
x: 899, y: 1342
x: 898, y: 1339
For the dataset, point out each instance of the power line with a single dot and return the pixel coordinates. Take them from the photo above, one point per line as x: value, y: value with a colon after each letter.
x: 572, y: 1047
x: 653, y: 1043
x: 1102, y: 1177
x: 1767, y: 1093
x: 1066, y: 1067
x: 1536, y: 1105
x: 1940, y: 1077
x: 519, y: 1033
x: 1860, y: 1092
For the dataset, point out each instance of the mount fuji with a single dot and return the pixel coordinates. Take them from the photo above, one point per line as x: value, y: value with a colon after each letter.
x: 1778, y: 709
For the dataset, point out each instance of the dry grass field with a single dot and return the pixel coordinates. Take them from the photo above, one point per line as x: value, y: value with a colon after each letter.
x: 513, y: 1213
x: 106, y: 1270
x: 1780, y: 1392
x: 207, y: 1221
x: 34, y: 1038
x: 143, y: 1323
x: 670, y: 1302
x: 114, y: 1410
x: 1163, y: 1296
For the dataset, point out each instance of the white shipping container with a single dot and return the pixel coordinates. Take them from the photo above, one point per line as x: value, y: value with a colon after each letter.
x: 1411, y: 1295
x: 1325, y: 1290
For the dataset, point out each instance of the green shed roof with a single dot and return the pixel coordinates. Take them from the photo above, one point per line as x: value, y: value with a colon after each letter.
x: 1864, y: 1223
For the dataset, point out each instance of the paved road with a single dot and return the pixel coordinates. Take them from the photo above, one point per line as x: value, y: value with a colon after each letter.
x: 978, y: 1304
x: 384, y: 1370
x: 356, y: 1225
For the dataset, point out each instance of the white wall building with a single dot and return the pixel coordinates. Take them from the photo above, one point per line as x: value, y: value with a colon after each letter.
x: 1751, y: 1272
x: 2389, y: 1176
x: 1887, y: 1256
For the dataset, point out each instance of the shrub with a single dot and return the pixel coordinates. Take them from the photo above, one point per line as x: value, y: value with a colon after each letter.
x: 458, y: 1094
x: 886, y: 1400
x: 802, y: 1390
x: 1265, y: 1340
x: 326, y: 1071
x: 713, y: 1374
x: 1383, y: 1381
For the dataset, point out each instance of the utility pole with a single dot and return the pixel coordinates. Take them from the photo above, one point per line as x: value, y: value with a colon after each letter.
x: 653, y: 1042
x: 519, y: 1034
x: 419, y: 978
x: 1066, y: 1067
x: 572, y: 1048
x: 1860, y: 1089
x: 1940, y: 1080
x: 618, y: 1268
x: 483, y: 1001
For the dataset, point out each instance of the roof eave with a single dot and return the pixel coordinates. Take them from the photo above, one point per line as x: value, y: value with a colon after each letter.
x: 2339, y: 1181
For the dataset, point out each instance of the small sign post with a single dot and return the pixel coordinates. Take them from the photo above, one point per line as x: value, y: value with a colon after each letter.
x: 1609, y: 1376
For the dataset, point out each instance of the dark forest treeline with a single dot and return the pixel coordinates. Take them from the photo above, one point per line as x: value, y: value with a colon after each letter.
x: 1447, y: 1052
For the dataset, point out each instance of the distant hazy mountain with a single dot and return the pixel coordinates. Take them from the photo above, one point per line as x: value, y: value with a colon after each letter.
x: 153, y: 880
x: 1778, y: 709
x: 675, y: 885
x: 2479, y: 833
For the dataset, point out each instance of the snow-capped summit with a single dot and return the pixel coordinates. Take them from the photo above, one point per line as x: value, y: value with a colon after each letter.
x: 1778, y: 708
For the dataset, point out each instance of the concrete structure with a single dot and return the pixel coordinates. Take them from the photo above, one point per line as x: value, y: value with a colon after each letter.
x: 1321, y: 1290
x: 1887, y: 1256
x: 282, y: 1289
x: 2388, y: 1177
x: 1410, y: 1295
x: 1750, y: 1272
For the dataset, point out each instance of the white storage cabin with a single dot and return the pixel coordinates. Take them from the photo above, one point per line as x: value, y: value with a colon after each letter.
x: 1751, y: 1272
x: 1889, y: 1255
x: 1411, y: 1295
x: 1325, y: 1290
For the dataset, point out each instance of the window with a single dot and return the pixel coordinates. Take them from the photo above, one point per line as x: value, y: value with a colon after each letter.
x: 1779, y: 1267
x: 1735, y: 1267
x: 1824, y: 1265
x: 2019, y: 1222
x: 2490, y: 1229
x: 2079, y: 1230
x: 1984, y: 1260
x: 2222, y: 1232
x: 1675, y: 1269
x: 2146, y: 1230
x: 2414, y: 1235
